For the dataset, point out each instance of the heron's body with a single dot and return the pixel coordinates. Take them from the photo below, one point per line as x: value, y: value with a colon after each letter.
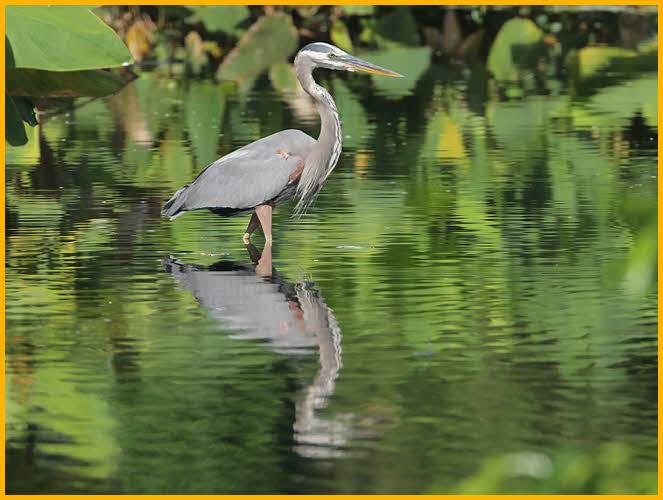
x: 274, y: 169
x: 248, y: 177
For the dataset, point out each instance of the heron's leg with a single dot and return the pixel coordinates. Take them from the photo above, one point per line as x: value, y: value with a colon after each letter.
x: 264, y: 213
x: 253, y: 224
x: 264, y: 264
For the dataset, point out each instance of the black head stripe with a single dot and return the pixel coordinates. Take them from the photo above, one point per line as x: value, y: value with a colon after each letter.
x: 317, y: 47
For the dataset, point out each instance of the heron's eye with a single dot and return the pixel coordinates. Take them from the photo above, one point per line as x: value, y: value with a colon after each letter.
x: 332, y: 56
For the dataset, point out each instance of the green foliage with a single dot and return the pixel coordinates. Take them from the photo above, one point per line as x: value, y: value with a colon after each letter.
x: 395, y: 29
x: 205, y: 106
x: 223, y: 18
x: 340, y: 36
x: 56, y: 51
x: 607, y: 472
x: 270, y: 40
x: 358, y: 10
x: 411, y: 62
x: 517, y: 47
x: 62, y: 38
x: 352, y: 115
x: 589, y: 60
x: 592, y: 67
x: 283, y: 77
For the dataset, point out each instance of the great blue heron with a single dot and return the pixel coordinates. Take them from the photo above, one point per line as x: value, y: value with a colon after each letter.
x: 272, y: 170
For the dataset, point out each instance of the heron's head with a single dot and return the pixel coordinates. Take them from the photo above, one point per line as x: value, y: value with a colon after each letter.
x: 325, y: 55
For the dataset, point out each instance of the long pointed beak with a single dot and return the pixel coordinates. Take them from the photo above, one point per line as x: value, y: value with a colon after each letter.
x: 354, y: 63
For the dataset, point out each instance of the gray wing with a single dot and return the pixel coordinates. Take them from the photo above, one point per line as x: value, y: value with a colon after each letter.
x: 245, y: 178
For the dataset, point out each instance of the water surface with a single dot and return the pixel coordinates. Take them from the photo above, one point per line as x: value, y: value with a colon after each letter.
x: 476, y: 278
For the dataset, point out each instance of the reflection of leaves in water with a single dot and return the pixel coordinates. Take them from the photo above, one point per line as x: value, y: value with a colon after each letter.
x: 639, y: 95
x: 518, y: 125
x: 354, y: 123
x: 205, y: 106
x: 15, y: 130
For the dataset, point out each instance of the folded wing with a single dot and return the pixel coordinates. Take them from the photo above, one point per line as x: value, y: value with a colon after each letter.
x: 245, y: 178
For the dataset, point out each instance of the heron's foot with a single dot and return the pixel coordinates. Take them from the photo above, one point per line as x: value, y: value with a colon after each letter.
x: 268, y: 239
x: 283, y: 153
x: 246, y: 238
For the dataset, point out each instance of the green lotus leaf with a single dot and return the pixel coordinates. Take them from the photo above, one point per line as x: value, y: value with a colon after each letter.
x: 62, y: 38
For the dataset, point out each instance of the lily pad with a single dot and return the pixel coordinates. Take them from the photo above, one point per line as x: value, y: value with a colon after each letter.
x: 224, y: 18
x: 411, y: 62
x: 517, y: 47
x: 283, y: 77
x: 271, y: 39
x: 399, y: 26
x: 62, y: 38
x: 393, y: 30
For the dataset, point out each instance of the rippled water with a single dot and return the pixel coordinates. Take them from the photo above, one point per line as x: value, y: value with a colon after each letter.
x: 477, y: 277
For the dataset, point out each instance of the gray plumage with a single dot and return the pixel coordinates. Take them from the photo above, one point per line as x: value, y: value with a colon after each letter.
x: 257, y: 177
x: 244, y: 179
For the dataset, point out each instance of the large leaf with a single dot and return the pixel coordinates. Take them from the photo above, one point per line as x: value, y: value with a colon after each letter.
x: 271, y: 39
x: 90, y: 83
x: 340, y: 36
x: 223, y: 18
x: 411, y: 62
x: 518, y: 46
x: 62, y: 38
x: 393, y: 30
x: 283, y: 77
x: 399, y: 26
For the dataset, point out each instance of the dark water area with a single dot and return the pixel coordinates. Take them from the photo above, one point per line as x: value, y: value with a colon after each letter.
x: 477, y: 278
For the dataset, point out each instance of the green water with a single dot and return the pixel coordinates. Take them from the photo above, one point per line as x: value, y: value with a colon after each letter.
x: 477, y: 278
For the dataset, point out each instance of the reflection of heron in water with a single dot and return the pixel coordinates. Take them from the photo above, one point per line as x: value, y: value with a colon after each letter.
x: 291, y: 318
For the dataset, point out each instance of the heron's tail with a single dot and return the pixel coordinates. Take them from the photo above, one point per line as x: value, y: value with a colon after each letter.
x: 175, y: 206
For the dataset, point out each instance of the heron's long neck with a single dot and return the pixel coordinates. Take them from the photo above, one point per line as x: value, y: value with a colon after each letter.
x: 322, y: 159
x: 330, y: 138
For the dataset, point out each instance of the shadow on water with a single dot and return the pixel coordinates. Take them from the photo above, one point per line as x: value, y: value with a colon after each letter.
x: 291, y: 318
